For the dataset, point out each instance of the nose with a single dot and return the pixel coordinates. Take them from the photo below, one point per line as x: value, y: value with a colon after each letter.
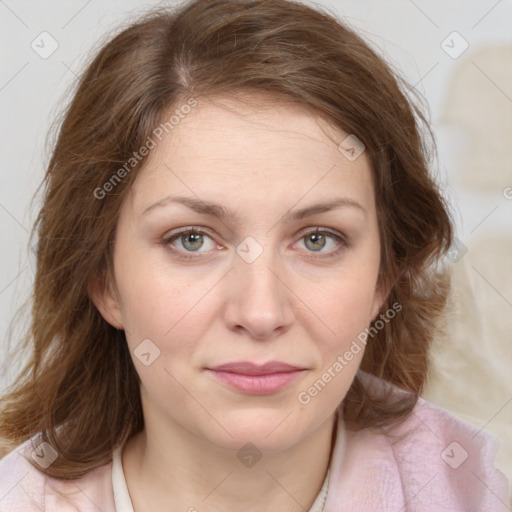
x: 259, y: 299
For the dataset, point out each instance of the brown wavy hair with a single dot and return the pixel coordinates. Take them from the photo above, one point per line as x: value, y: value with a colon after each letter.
x: 79, y: 388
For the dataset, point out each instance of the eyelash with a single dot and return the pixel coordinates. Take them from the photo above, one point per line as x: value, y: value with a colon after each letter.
x: 340, y: 238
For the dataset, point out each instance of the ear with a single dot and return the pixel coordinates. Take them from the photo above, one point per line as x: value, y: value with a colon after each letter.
x: 103, y: 293
x: 379, y: 297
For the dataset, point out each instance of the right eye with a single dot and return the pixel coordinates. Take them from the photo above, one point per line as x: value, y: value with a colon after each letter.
x: 190, y: 240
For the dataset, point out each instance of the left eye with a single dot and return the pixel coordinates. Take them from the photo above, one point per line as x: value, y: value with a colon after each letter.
x: 316, y: 241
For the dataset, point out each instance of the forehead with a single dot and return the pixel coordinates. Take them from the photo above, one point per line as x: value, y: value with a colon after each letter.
x: 252, y: 149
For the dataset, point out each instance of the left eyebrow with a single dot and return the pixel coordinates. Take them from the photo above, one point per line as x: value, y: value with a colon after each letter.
x: 323, y: 207
x: 221, y: 212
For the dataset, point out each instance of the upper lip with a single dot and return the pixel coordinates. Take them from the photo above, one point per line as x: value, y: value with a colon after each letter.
x: 248, y: 368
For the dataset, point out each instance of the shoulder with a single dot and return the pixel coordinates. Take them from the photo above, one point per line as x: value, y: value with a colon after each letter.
x: 21, y: 484
x: 25, y: 488
x: 450, y: 460
x: 430, y: 461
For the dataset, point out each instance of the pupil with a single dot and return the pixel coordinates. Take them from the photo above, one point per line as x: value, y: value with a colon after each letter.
x: 195, y: 239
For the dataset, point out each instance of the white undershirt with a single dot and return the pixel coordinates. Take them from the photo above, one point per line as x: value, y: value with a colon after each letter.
x: 123, y: 502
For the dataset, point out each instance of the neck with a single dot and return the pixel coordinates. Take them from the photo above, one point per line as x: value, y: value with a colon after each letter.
x: 195, y: 476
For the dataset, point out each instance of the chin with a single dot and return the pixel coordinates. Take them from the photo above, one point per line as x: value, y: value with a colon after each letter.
x: 267, y: 430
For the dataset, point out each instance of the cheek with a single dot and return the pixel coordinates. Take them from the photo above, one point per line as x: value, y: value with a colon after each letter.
x: 171, y: 311
x: 348, y: 303
x: 347, y: 310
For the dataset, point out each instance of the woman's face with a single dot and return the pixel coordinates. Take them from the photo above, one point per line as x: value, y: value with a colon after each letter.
x: 251, y: 282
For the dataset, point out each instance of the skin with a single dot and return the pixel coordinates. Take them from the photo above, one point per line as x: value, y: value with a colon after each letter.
x: 292, y: 304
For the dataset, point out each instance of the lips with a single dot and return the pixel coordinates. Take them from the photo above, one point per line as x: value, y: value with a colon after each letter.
x: 256, y: 379
x: 248, y: 368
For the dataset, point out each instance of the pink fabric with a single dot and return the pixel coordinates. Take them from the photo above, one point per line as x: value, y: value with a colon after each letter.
x: 435, y: 463
x: 421, y: 471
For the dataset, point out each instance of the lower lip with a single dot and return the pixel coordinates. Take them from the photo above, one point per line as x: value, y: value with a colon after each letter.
x: 257, y: 384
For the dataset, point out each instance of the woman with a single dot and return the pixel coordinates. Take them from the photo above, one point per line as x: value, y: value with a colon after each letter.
x: 237, y: 282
